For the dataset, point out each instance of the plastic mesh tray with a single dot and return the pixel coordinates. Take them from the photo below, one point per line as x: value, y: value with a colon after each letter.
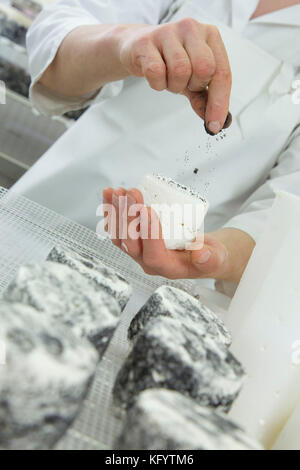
x: 28, y: 232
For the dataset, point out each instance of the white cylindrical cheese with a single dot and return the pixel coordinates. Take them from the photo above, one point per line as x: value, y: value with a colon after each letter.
x: 181, y: 210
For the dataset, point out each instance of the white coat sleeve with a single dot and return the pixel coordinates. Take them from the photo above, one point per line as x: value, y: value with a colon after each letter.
x: 285, y: 176
x: 54, y: 23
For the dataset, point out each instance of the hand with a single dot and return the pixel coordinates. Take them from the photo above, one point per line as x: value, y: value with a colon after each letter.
x: 224, y: 256
x: 184, y: 57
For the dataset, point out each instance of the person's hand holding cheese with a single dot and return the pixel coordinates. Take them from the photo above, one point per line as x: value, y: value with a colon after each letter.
x: 222, y: 255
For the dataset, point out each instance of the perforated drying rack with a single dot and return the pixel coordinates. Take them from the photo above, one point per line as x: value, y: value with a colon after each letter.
x: 28, y: 232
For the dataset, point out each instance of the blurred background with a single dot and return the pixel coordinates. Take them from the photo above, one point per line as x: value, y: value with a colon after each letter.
x: 24, y: 134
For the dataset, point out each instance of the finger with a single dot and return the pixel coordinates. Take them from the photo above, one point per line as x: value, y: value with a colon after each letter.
x: 137, y: 195
x: 157, y: 260
x: 210, y: 259
x: 198, y: 101
x: 107, y: 195
x: 107, y: 200
x: 203, y: 63
x: 116, y: 224
x: 153, y: 67
x: 219, y: 89
x: 179, y: 67
x: 132, y: 245
x: 155, y: 253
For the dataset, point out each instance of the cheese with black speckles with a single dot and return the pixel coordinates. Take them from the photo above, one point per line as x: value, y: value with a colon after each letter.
x: 69, y: 298
x: 175, y: 303
x: 45, y: 378
x: 181, y: 210
x: 166, y: 420
x: 170, y: 354
x: 104, y: 278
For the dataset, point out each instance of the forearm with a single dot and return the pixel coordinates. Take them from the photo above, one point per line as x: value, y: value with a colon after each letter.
x: 87, y: 59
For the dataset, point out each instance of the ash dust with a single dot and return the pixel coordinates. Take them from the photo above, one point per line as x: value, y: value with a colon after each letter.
x: 198, y: 161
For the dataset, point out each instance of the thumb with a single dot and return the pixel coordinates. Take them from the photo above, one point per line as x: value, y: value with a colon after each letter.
x: 212, y: 259
x: 198, y: 102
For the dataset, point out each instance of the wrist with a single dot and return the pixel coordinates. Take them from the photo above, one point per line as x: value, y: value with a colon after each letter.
x: 238, y: 246
x: 108, y: 44
x: 114, y: 39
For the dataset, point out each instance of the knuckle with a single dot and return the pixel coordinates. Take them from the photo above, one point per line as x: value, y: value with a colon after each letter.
x: 181, y: 68
x: 164, y: 31
x: 141, y: 43
x: 155, y: 69
x: 213, y: 31
x: 224, y: 75
x: 204, y: 68
x: 187, y: 24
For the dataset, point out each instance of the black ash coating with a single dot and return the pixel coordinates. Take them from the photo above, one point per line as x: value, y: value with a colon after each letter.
x: 168, y: 301
x: 68, y: 298
x: 15, y: 78
x: 167, y: 420
x: 13, y: 31
x: 182, y: 187
x: 171, y: 355
x: 45, y: 381
x: 94, y: 270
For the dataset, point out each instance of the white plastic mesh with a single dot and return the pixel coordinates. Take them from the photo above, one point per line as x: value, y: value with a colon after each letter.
x: 28, y: 232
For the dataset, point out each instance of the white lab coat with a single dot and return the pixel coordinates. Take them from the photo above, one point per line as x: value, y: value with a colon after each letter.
x: 131, y: 130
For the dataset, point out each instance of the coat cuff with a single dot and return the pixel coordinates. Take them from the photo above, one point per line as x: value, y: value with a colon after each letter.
x: 52, y: 104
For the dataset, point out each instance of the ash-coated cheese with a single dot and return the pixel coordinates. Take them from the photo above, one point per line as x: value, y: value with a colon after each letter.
x: 12, y: 30
x: 44, y: 380
x: 170, y: 354
x: 104, y: 278
x: 69, y: 298
x: 175, y: 303
x: 167, y: 420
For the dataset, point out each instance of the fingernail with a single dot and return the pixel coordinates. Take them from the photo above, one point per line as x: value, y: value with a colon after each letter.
x: 213, y: 127
x: 124, y: 247
x: 207, y: 130
x: 204, y: 257
x: 228, y: 121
